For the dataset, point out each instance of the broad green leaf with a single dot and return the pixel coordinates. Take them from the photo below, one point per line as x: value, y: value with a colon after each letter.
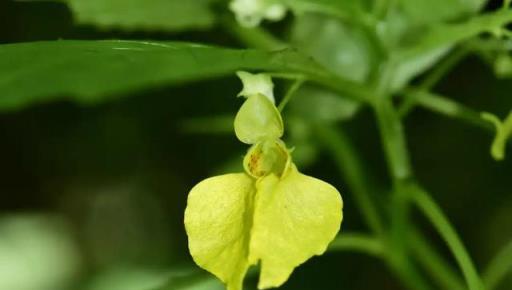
x: 170, y: 15
x: 257, y: 120
x: 94, y: 71
x: 218, y: 220
x: 295, y: 218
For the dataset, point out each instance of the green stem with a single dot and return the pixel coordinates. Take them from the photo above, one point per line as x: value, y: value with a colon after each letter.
x: 444, y: 35
x: 444, y: 67
x: 348, y: 162
x: 289, y: 94
x: 372, y: 246
x: 432, y: 211
x: 252, y: 37
x: 381, y: 8
x: 433, y: 263
x: 393, y: 139
x: 448, y: 108
x: 498, y: 268
x: 347, y: 159
x: 359, y: 243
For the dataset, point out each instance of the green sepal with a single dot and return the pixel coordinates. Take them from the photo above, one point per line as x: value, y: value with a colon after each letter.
x: 258, y: 120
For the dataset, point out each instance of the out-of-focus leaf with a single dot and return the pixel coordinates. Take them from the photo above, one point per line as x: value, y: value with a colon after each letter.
x: 503, y: 65
x: 430, y: 11
x: 140, y: 278
x: 345, y: 49
x: 319, y: 105
x: 445, y: 35
x: 353, y: 10
x: 407, y: 69
x: 300, y: 137
x: 170, y: 15
x: 92, y: 71
x: 417, y: 55
x: 131, y: 278
x: 36, y: 252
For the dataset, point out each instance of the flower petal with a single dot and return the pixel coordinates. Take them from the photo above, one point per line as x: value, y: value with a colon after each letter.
x: 295, y: 218
x: 218, y: 220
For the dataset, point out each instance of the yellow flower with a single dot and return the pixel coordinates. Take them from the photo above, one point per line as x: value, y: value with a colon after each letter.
x: 271, y: 214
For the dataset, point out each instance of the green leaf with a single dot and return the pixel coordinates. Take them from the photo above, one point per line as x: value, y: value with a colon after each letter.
x: 430, y: 11
x: 170, y: 15
x: 420, y: 53
x: 353, y: 10
x: 445, y: 35
x: 406, y: 69
x: 322, y: 106
x: 94, y: 71
x: 29, y: 243
x: 345, y: 49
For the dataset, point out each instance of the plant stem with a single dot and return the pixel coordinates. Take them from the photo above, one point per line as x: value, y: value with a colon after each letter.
x: 394, y: 143
x: 393, y: 139
x: 432, y: 211
x: 498, y: 268
x: 449, y: 108
x: 348, y: 162
x: 433, y: 263
x: 289, y: 94
x: 358, y: 242
x: 445, y: 66
x: 444, y: 35
x: 252, y: 37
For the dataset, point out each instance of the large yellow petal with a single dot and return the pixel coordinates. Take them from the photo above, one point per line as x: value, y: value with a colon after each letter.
x: 218, y: 220
x: 295, y: 218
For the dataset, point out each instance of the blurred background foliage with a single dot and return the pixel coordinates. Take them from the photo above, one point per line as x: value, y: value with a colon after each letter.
x: 93, y: 196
